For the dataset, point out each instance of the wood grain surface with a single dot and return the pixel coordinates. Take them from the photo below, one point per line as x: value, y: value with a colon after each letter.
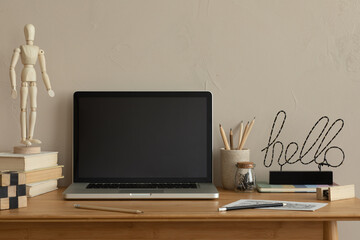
x: 164, y: 230
x: 49, y: 216
x: 51, y: 207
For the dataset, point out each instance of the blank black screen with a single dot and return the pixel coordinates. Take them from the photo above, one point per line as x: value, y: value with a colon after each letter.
x: 142, y: 136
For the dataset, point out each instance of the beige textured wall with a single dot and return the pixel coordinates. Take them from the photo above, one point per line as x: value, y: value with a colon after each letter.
x: 256, y: 57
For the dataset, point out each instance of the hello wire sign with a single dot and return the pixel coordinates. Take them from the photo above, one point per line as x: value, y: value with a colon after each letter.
x: 292, y: 154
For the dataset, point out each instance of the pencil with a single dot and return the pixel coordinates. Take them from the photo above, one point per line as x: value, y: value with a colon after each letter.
x: 107, y: 209
x: 250, y: 127
x: 265, y: 205
x: 231, y: 139
x: 241, y: 134
x: 223, y: 135
x: 247, y: 133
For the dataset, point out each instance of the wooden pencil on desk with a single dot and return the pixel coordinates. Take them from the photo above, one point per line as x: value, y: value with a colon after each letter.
x: 247, y: 133
x: 223, y: 135
x: 111, y: 209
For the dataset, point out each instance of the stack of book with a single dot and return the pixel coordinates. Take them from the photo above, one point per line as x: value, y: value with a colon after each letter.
x: 12, y: 190
x: 41, y: 170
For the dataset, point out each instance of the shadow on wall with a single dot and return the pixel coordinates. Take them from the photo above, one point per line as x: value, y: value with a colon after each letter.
x: 63, y: 135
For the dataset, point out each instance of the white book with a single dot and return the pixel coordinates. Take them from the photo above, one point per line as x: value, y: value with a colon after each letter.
x: 26, y: 162
x: 35, y: 189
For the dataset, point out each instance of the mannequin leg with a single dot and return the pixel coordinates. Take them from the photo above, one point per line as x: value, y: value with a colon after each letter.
x: 23, y: 99
x: 32, y: 118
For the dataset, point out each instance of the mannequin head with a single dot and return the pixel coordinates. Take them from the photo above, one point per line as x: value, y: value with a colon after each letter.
x: 29, y: 31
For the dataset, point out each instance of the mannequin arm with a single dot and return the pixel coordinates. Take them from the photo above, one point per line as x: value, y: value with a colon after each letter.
x: 44, y: 74
x: 14, y: 60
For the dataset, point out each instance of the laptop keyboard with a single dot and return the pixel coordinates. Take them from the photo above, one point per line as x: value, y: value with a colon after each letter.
x: 141, y: 185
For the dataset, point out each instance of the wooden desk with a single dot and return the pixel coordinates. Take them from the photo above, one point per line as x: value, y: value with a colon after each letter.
x: 50, y: 217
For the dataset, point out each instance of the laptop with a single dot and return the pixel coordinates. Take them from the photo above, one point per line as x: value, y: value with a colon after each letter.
x: 142, y: 145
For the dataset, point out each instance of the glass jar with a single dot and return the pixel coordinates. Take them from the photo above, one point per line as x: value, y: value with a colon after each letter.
x: 245, y: 177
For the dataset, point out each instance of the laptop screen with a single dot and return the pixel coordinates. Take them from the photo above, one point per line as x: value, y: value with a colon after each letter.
x: 142, y: 137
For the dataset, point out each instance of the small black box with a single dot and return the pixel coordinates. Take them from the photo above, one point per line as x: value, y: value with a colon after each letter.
x: 301, y: 177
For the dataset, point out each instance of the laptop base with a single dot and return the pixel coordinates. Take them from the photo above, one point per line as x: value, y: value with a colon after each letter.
x: 79, y: 191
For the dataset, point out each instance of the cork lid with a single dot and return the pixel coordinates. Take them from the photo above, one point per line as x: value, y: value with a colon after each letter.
x: 245, y: 165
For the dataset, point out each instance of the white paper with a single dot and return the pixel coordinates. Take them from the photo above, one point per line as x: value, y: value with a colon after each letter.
x: 293, y: 206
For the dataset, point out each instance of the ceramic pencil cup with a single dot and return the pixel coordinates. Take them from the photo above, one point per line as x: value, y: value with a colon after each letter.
x: 229, y: 159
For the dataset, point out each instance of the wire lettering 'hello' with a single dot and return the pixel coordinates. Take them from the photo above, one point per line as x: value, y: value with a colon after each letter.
x: 323, y: 140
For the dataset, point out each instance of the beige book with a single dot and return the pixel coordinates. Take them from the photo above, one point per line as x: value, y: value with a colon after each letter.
x: 27, y: 162
x: 43, y: 174
x: 35, y: 189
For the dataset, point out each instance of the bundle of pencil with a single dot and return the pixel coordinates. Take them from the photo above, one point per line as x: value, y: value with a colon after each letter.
x: 243, y: 136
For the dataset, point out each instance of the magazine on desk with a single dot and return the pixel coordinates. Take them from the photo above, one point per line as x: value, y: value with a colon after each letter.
x: 292, y: 206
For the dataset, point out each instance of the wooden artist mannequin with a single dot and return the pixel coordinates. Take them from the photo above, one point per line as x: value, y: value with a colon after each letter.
x: 29, y: 54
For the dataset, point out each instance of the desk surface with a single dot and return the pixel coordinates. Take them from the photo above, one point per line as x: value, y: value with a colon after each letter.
x: 51, y: 207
